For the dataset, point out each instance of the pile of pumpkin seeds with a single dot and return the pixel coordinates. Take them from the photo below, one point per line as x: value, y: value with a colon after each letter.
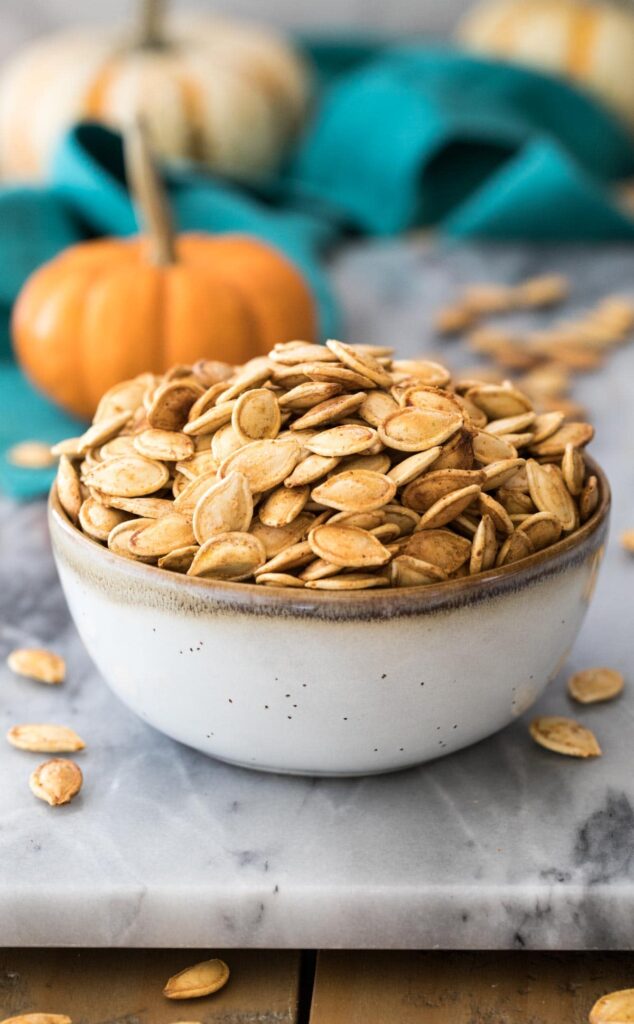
x: 331, y: 467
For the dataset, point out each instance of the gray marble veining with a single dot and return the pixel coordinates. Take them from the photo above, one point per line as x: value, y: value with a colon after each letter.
x: 502, y: 845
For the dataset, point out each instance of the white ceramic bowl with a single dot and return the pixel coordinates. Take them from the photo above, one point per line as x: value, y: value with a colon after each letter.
x: 328, y: 683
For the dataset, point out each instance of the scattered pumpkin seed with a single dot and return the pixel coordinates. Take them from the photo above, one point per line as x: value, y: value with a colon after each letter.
x: 201, y: 980
x: 564, y: 736
x: 56, y: 782
x: 39, y: 664
x: 45, y: 739
x: 32, y: 455
x: 614, y: 1008
x: 591, y: 685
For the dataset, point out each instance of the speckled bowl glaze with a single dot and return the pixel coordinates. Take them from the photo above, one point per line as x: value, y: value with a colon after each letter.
x: 329, y: 683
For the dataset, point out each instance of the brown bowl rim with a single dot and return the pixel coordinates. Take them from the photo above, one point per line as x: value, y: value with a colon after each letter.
x: 447, y: 592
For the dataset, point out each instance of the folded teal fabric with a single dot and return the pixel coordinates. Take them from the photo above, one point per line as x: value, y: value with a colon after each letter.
x: 400, y: 137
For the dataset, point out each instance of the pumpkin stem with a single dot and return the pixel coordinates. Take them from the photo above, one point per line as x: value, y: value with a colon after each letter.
x: 152, y: 209
x: 150, y: 33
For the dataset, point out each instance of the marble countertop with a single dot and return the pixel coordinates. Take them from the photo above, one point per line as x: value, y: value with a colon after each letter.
x: 503, y: 845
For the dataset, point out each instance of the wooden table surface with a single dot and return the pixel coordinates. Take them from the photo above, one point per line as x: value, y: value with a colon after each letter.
x: 332, y: 987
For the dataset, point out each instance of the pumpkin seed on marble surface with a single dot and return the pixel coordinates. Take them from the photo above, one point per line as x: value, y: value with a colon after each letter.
x: 592, y: 685
x: 202, y: 979
x: 614, y: 1008
x: 453, y: 319
x: 45, y: 739
x: 56, y: 782
x: 564, y: 736
x: 37, y: 663
x: 627, y: 541
x: 33, y: 455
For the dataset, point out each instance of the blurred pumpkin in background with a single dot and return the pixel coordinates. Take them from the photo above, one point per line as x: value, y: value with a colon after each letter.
x: 219, y: 91
x: 588, y: 41
x: 106, y: 310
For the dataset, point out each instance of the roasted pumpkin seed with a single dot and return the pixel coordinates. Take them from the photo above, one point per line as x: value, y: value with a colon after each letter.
x: 564, y: 736
x: 56, y: 782
x: 591, y: 685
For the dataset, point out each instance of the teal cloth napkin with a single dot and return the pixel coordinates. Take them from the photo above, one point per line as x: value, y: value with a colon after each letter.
x: 400, y: 137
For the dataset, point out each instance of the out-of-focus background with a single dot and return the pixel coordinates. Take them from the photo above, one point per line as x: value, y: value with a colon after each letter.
x: 23, y: 19
x: 283, y: 134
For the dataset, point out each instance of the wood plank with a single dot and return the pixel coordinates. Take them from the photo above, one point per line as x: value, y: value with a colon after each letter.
x: 125, y: 986
x: 464, y: 988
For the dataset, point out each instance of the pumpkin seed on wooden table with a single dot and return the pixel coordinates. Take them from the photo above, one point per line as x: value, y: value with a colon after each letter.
x: 38, y: 1018
x: 331, y: 468
x: 37, y: 663
x: 200, y: 980
x: 614, y: 1008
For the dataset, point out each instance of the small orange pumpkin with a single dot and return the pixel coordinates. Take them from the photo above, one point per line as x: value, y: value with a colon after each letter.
x: 107, y: 310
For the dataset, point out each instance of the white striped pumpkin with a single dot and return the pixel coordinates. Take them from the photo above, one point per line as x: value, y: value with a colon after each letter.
x: 588, y: 41
x: 209, y: 88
